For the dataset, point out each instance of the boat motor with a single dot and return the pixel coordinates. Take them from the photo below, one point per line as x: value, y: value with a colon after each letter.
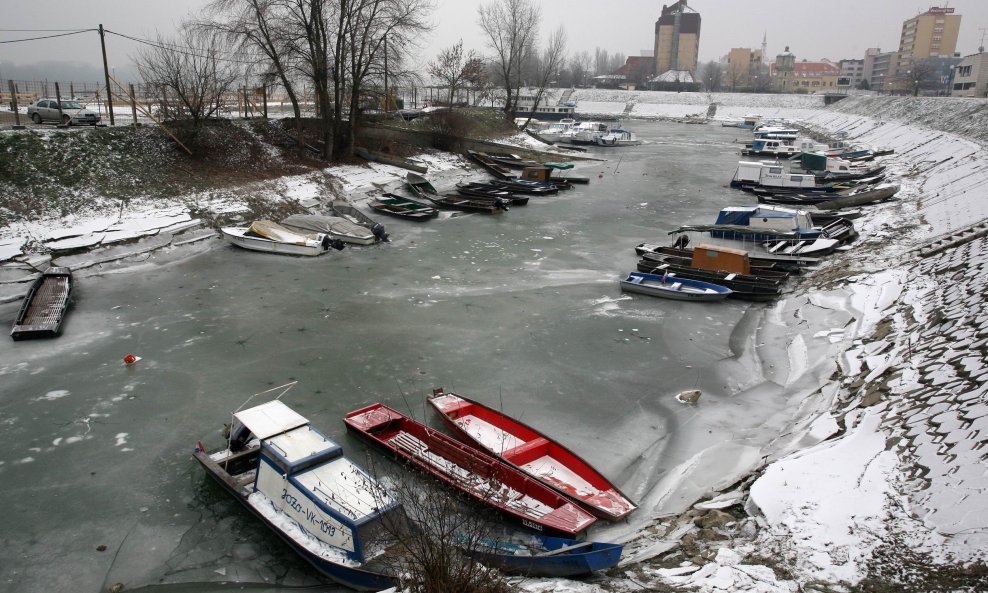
x: 380, y: 233
x: 336, y: 244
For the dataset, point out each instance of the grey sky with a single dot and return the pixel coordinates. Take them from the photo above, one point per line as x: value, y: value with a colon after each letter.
x: 833, y: 29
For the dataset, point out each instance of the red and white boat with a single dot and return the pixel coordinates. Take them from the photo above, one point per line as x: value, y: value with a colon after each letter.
x: 482, y: 477
x: 533, y: 453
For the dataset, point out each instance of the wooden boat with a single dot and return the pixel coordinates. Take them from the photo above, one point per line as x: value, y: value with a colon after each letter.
x: 496, y: 169
x: 45, y: 305
x: 333, y: 226
x: 399, y: 207
x: 297, y: 482
x: 483, y: 190
x: 264, y: 235
x: 510, y: 160
x: 676, y: 288
x: 760, y: 258
x: 483, y: 478
x: 350, y: 212
x: 543, y: 556
x: 533, y: 453
x: 761, y: 269
x: 419, y: 185
x: 877, y: 194
x: 527, y: 187
x: 743, y: 288
x: 469, y: 203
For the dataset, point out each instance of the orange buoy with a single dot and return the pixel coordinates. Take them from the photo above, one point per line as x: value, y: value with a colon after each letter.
x: 130, y: 359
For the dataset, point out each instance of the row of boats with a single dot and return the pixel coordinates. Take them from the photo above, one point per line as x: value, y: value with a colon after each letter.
x: 748, y: 252
x: 334, y: 513
x: 591, y: 133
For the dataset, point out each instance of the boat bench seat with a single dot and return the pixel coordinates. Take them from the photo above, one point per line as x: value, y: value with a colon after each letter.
x: 514, y: 452
x: 730, y: 276
x: 676, y: 285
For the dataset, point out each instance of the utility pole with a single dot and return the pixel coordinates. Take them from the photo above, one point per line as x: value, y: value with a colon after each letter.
x: 106, y: 75
x: 386, y: 98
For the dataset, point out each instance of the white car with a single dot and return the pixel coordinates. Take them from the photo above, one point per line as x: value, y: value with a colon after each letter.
x: 73, y: 113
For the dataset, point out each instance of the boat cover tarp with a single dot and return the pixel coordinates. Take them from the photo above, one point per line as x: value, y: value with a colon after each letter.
x: 267, y: 229
x: 270, y: 419
x: 333, y: 225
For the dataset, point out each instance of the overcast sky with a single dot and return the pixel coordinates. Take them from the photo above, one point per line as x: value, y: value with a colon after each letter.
x: 813, y: 29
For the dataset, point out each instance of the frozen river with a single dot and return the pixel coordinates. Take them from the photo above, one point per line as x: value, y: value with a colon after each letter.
x: 521, y: 311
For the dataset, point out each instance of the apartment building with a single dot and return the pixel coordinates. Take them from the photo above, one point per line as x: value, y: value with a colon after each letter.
x: 971, y: 76
x: 677, y: 39
x: 932, y: 34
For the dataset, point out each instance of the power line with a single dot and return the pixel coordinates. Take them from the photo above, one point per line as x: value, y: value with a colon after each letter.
x: 47, y: 36
x: 179, y: 49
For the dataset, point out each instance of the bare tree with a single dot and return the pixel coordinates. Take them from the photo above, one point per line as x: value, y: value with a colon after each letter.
x: 430, y: 540
x: 712, y: 76
x: 601, y: 62
x: 921, y: 75
x: 580, y: 67
x: 257, y: 25
x: 451, y: 68
x: 549, y: 62
x: 191, y: 71
x: 511, y: 28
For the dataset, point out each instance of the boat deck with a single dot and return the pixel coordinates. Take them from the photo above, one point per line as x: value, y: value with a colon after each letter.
x: 44, y: 312
x: 504, y: 496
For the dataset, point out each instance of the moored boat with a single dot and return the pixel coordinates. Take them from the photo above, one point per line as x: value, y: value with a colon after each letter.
x: 47, y: 301
x: 532, y: 452
x: 271, y: 237
x: 350, y: 212
x: 543, y: 556
x: 334, y: 226
x: 618, y: 137
x: 482, y: 477
x: 680, y: 289
x: 401, y: 207
x: 297, y: 482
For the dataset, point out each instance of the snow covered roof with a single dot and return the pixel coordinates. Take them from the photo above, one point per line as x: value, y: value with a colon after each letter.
x: 270, y: 419
x: 674, y: 76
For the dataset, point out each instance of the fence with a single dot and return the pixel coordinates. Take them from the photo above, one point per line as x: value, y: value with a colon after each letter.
x: 138, y: 101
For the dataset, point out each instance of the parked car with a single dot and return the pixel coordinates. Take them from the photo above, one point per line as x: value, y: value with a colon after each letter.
x: 73, y: 113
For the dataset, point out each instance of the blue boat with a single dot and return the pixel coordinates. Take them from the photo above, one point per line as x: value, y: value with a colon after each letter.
x: 543, y: 556
x: 298, y: 482
x: 671, y: 286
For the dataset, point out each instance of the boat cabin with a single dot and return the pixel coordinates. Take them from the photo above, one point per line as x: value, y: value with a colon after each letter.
x: 540, y: 174
x: 766, y: 217
x: 769, y: 174
x: 723, y: 259
x: 308, y: 482
x: 776, y: 133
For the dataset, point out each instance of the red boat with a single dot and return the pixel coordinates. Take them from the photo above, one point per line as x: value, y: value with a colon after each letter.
x: 482, y: 477
x: 533, y: 453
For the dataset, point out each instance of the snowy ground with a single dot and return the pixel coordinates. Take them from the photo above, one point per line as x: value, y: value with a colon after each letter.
x: 908, y: 403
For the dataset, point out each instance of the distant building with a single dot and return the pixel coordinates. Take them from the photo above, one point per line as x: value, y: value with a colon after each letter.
x: 677, y: 39
x: 743, y: 68
x: 868, y: 63
x: 851, y: 73
x: 783, y: 71
x: 790, y: 76
x: 637, y: 69
x: 883, y: 71
x: 971, y: 76
x: 932, y: 34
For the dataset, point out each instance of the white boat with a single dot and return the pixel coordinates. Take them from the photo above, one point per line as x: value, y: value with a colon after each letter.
x: 585, y: 132
x: 552, y: 131
x: 299, y: 483
x: 264, y: 235
x: 334, y: 226
x: 618, y: 137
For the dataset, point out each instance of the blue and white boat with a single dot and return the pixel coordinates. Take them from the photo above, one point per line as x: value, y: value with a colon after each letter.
x: 298, y: 482
x: 544, y: 556
x: 670, y: 286
x: 773, y: 219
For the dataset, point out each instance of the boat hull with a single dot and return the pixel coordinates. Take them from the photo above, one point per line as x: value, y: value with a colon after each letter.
x: 532, y: 452
x: 236, y: 236
x: 563, y: 558
x: 45, y: 305
x: 679, y: 289
x: 353, y: 577
x: 483, y: 478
